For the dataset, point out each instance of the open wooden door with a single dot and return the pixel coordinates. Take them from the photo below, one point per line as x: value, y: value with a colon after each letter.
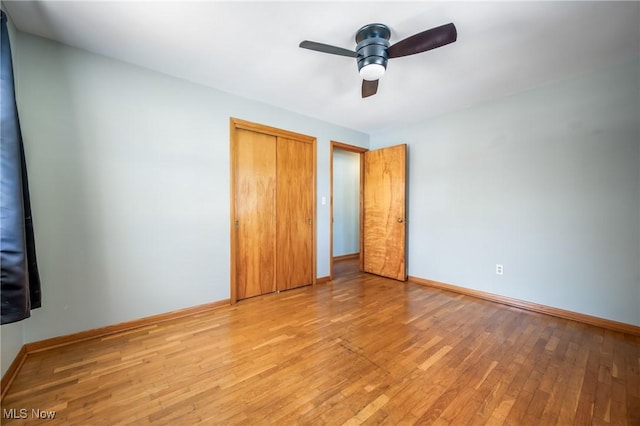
x: 384, y: 212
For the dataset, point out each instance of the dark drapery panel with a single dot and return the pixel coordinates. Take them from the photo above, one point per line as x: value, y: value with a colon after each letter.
x: 20, y: 280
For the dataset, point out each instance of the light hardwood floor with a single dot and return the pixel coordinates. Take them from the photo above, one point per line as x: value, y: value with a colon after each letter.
x: 358, y: 349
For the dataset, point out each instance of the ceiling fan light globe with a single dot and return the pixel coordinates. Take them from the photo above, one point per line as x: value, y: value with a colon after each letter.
x: 372, y: 72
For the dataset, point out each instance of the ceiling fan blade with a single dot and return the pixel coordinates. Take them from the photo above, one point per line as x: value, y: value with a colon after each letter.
x: 369, y: 88
x: 326, y: 48
x: 426, y: 40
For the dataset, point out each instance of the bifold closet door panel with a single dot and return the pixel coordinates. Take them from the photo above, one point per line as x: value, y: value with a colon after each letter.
x: 294, y: 207
x: 255, y: 208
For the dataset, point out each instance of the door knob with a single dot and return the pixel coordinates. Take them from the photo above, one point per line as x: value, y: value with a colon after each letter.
x: 400, y: 220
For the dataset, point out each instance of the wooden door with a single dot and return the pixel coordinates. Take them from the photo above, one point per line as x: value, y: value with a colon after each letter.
x: 273, y: 181
x: 294, y: 207
x: 255, y: 213
x: 384, y: 219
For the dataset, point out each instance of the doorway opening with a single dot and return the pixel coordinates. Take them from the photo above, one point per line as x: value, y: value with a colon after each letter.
x: 347, y: 183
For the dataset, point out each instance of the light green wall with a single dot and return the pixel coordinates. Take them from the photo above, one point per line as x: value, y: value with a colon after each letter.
x: 546, y: 183
x: 346, y: 202
x: 129, y: 177
x: 11, y: 336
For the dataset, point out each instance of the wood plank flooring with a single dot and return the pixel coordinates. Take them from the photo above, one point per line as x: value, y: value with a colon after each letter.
x: 357, y: 350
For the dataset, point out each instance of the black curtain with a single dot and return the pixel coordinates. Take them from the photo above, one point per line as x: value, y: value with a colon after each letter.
x: 20, y: 280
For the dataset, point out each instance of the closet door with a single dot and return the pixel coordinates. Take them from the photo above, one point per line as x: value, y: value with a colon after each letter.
x: 294, y: 213
x: 272, y: 209
x: 255, y: 213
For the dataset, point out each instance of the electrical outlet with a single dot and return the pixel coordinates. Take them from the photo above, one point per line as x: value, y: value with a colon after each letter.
x: 499, y: 269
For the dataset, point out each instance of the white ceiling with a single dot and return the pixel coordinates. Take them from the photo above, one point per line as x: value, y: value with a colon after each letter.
x: 251, y: 48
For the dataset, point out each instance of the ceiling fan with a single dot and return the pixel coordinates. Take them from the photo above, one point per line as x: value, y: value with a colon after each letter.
x: 373, y: 49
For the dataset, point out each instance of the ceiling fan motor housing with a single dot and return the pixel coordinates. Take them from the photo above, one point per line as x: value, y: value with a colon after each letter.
x: 373, y: 41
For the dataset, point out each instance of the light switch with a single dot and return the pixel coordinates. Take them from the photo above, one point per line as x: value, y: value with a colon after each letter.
x: 323, y: 200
